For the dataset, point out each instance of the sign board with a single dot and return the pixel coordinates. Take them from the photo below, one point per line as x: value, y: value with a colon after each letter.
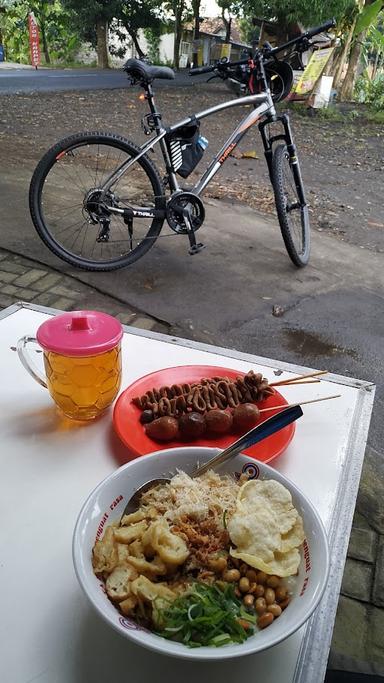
x: 312, y: 72
x: 34, y: 42
x: 226, y: 50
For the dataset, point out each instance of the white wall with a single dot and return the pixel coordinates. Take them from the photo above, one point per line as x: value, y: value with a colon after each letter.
x: 165, y: 48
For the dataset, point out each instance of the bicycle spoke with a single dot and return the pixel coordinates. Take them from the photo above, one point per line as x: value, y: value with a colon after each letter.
x: 71, y: 190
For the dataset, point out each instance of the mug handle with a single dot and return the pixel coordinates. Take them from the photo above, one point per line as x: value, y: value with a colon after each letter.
x: 26, y: 362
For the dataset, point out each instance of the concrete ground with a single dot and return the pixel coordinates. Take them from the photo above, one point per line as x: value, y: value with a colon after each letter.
x: 242, y: 292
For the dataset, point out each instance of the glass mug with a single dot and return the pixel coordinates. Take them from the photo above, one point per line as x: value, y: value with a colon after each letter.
x: 82, y: 361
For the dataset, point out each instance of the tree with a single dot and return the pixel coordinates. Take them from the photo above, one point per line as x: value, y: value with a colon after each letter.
x: 196, y: 30
x: 180, y: 11
x: 368, y: 16
x: 286, y: 12
x: 135, y: 15
x: 92, y: 18
x: 227, y: 6
x: 58, y: 39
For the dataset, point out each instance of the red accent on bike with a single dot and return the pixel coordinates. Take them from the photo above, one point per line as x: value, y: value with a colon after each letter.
x: 60, y: 155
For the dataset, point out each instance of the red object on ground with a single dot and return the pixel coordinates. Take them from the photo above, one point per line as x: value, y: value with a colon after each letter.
x: 126, y: 416
x: 34, y: 40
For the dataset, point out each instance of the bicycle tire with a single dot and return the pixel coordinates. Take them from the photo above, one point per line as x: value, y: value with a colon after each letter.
x: 36, y: 193
x: 297, y: 242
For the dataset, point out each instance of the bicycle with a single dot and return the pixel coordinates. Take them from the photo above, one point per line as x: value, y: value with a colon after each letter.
x: 116, y: 197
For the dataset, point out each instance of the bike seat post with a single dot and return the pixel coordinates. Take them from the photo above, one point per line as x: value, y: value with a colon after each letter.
x: 149, y: 94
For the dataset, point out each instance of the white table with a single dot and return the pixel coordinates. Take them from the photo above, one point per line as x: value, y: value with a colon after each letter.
x: 48, y: 631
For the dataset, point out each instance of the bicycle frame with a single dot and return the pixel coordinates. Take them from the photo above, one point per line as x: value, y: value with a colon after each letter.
x: 262, y: 103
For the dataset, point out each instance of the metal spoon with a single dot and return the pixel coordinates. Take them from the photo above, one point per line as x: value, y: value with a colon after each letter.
x: 258, y: 433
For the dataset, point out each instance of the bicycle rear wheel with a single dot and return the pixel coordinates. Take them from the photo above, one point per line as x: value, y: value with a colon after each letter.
x: 292, y: 211
x: 67, y: 206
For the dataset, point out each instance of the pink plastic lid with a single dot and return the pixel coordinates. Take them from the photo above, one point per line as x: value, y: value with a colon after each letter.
x: 80, y: 333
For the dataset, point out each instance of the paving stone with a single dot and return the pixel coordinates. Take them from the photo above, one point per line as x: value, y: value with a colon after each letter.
x: 378, y: 583
x: 10, y: 289
x: 33, y: 275
x: 6, y: 277
x: 45, y: 299
x: 371, y: 492
x: 360, y: 521
x: 126, y: 318
x: 47, y: 282
x: 67, y: 291
x: 4, y: 256
x: 375, y: 646
x: 24, y: 295
x: 357, y: 580
x: 64, y: 304
x: 12, y: 267
x: 6, y: 300
x: 362, y: 544
x: 144, y: 323
x: 351, y: 629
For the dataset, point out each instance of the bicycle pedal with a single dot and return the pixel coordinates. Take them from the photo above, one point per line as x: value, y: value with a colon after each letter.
x: 196, y: 248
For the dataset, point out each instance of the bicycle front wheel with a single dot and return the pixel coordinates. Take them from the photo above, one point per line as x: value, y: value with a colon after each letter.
x: 69, y: 208
x: 292, y: 211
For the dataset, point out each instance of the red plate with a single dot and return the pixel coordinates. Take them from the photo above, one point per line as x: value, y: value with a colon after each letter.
x: 126, y: 416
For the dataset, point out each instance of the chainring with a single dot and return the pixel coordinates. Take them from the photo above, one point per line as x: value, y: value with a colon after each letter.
x: 175, y: 207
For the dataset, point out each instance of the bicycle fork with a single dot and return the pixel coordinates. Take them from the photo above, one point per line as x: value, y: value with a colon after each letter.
x: 291, y: 147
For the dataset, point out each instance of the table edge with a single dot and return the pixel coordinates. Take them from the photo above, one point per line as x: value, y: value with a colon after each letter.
x: 317, y: 639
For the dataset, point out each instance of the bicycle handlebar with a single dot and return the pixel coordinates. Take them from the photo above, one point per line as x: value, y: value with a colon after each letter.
x: 202, y: 70
x: 306, y: 35
x: 319, y: 29
x: 273, y: 51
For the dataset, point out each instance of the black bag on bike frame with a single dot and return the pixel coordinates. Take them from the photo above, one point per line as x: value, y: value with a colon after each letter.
x: 184, y: 148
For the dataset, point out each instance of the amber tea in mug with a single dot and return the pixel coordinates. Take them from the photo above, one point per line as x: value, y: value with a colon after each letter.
x: 82, y: 361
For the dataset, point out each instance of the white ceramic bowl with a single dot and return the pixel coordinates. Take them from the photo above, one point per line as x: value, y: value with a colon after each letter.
x: 106, y: 504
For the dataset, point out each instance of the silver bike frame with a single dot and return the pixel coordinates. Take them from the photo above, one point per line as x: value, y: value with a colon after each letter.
x: 262, y: 104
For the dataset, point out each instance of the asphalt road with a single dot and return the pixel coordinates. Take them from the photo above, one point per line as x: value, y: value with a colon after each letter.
x: 55, y: 80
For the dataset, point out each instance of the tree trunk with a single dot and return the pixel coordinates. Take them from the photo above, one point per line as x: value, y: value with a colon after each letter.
x: 135, y: 41
x: 102, y: 46
x: 227, y: 24
x: 178, y: 12
x: 342, y: 56
x: 196, y: 31
x: 44, y: 43
x: 374, y: 70
x: 347, y: 88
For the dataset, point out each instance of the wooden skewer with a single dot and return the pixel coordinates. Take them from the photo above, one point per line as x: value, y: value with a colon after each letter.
x: 304, y: 381
x: 301, y: 403
x: 299, y: 377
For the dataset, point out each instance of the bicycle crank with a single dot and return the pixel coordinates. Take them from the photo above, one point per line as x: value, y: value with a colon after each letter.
x: 175, y: 215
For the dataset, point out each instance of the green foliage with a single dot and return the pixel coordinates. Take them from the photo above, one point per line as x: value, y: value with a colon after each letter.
x: 86, y: 13
x: 153, y: 38
x: 248, y: 32
x: 134, y: 15
x: 371, y: 92
x: 61, y: 40
x: 286, y: 12
x: 368, y: 16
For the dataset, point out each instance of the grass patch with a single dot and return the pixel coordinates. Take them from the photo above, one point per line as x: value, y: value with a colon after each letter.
x: 334, y: 114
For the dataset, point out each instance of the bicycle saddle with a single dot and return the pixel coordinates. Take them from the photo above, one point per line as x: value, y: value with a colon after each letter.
x: 144, y: 72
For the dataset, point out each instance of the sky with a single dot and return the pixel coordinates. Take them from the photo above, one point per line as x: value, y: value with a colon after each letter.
x: 210, y: 8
